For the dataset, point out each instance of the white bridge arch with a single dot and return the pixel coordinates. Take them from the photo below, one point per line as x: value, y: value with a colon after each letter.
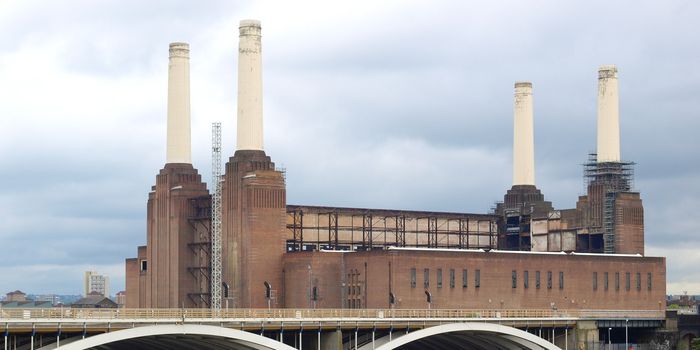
x: 177, y: 336
x: 469, y: 335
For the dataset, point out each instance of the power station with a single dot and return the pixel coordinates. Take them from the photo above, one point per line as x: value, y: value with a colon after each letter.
x: 243, y: 246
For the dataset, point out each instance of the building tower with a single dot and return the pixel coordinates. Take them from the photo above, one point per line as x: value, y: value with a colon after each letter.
x: 523, y: 201
x: 253, y: 201
x: 170, y: 270
x: 611, y: 212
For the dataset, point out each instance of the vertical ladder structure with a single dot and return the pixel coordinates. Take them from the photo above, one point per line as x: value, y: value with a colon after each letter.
x: 216, y: 216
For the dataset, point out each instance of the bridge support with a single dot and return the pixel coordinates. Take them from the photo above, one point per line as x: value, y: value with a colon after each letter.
x: 586, y: 332
x: 332, y: 340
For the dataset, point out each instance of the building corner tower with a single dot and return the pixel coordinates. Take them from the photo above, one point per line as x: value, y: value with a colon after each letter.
x: 523, y: 201
x: 254, y: 194
x: 168, y: 272
x: 611, y: 212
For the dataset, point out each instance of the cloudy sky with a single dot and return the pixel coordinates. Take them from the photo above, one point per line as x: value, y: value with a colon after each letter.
x: 392, y: 104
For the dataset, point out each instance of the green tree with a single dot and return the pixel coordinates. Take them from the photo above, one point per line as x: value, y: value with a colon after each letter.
x: 695, y: 344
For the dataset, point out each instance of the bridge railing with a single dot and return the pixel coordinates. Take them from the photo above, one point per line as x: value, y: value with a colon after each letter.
x: 177, y: 314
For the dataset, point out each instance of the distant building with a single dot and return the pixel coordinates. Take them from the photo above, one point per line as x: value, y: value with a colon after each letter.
x: 121, y: 298
x: 27, y: 304
x: 94, y: 302
x: 16, y: 296
x: 94, y: 282
x: 51, y: 298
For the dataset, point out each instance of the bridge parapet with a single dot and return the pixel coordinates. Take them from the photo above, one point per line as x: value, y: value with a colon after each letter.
x: 318, y: 314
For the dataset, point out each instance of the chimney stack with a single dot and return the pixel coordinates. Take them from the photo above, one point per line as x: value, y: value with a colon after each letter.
x: 523, y: 139
x: 608, y: 115
x: 250, y: 122
x: 178, y: 147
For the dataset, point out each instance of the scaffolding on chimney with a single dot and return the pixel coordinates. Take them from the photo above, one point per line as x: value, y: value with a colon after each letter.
x: 612, y: 178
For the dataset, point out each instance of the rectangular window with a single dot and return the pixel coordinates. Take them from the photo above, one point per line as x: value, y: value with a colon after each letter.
x: 413, y: 277
x: 526, y: 277
x: 426, y: 278
x: 537, y: 279
x: 595, y: 281
x: 465, y: 278
x: 439, y: 278
x: 561, y: 280
x: 477, y: 278
x: 452, y: 278
x: 514, y: 279
x: 605, y: 280
x: 144, y: 265
x: 648, y: 280
x: 627, y: 281
x: 549, y: 279
x: 638, y: 279
x: 617, y: 281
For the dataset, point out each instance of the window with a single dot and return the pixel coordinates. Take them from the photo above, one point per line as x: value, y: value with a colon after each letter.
x: 648, y: 280
x: 413, y: 277
x: 439, y: 278
x: 464, y: 278
x: 617, y: 281
x: 526, y: 277
x: 595, y: 281
x: 426, y: 278
x: 638, y: 279
x: 514, y: 279
x: 477, y: 278
x: 452, y: 278
x: 537, y: 279
x: 627, y: 281
x: 549, y: 279
x: 561, y: 280
x: 605, y: 280
x: 144, y: 265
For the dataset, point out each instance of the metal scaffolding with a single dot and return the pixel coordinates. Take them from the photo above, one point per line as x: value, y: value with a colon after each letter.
x: 604, y: 180
x: 216, y: 216
x: 328, y: 228
x: 199, y: 219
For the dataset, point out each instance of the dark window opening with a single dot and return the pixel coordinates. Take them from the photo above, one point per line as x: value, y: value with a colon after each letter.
x: 595, y: 281
x: 605, y: 280
x: 413, y: 277
x: 561, y: 280
x: 526, y: 277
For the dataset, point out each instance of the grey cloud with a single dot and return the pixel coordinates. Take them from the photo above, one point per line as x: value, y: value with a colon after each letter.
x: 409, y: 106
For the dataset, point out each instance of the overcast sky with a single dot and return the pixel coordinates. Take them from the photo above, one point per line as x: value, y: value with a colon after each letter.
x: 380, y: 104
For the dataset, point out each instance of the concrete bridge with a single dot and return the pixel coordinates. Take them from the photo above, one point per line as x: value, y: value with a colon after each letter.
x: 314, y: 329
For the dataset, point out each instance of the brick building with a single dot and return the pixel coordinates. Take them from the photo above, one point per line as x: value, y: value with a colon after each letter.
x: 525, y: 254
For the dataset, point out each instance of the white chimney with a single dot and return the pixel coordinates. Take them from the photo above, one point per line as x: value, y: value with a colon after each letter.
x: 250, y: 122
x: 178, y: 147
x: 523, y: 139
x: 608, y: 115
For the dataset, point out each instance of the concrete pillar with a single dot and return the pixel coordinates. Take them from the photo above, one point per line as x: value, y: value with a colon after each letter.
x: 523, y: 136
x: 608, y: 115
x: 586, y: 333
x: 250, y: 122
x: 178, y: 147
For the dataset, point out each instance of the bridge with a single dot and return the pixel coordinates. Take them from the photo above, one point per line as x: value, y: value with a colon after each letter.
x: 313, y: 328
